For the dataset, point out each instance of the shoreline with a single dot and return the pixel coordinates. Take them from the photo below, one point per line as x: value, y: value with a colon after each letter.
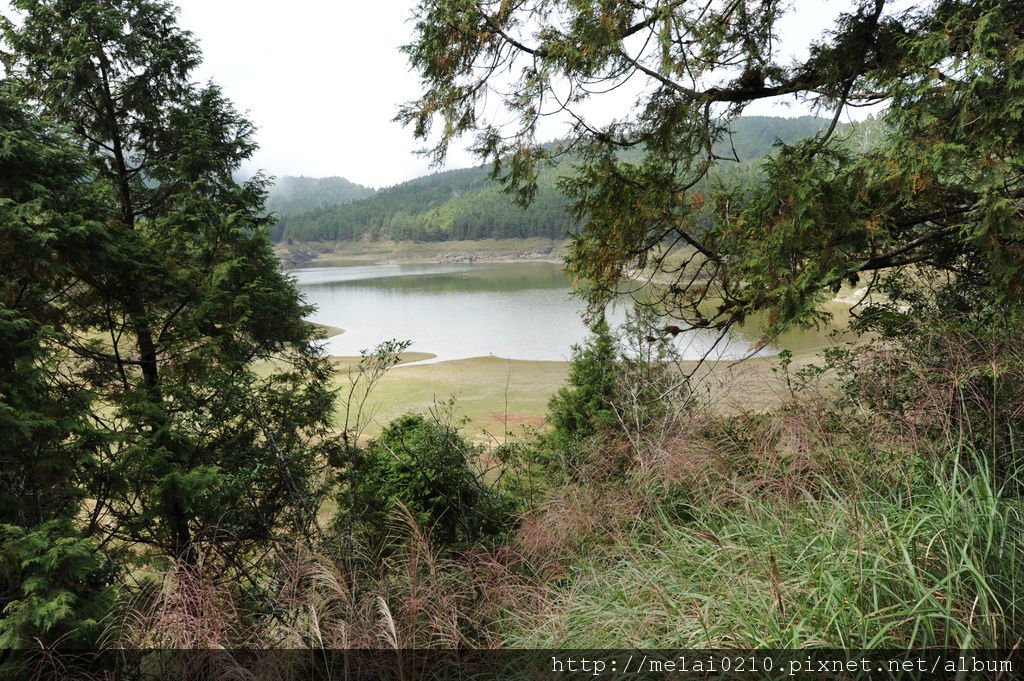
x: 321, y: 254
x: 484, y: 251
x: 494, y: 393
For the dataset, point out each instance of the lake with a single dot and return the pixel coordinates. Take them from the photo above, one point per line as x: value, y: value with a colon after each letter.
x: 517, y: 310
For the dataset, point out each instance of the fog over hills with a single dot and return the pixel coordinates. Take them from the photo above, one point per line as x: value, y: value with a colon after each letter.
x: 291, y: 195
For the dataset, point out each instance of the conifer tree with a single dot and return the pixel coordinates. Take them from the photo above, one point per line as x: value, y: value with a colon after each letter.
x: 54, y: 580
x: 210, y: 401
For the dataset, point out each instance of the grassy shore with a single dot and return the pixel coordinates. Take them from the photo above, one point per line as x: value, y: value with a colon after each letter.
x: 497, y: 396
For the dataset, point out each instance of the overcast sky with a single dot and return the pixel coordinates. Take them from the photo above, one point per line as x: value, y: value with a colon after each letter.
x: 322, y: 80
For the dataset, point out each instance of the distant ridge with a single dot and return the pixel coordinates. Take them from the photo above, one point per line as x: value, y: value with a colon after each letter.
x: 467, y: 204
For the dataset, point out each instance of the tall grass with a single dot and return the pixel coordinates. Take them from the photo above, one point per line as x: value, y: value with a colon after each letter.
x: 412, y: 598
x: 938, y: 564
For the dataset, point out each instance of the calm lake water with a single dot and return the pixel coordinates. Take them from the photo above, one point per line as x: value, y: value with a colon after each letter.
x: 520, y: 310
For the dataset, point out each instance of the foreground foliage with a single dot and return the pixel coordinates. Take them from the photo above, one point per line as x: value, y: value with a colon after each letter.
x: 940, y: 190
x: 54, y: 581
x: 838, y: 519
x: 421, y: 466
x: 139, y: 293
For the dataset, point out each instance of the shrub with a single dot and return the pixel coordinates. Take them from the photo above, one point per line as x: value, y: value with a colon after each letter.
x: 422, y: 465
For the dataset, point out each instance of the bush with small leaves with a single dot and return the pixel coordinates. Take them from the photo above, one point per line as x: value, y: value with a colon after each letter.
x: 422, y: 465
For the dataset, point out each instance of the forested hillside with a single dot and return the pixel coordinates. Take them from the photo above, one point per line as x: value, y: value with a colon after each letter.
x: 468, y: 204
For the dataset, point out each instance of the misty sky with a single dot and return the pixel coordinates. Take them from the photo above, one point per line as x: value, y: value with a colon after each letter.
x: 322, y: 80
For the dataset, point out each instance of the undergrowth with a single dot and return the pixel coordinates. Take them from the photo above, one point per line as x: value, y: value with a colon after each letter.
x: 938, y: 564
x: 873, y: 508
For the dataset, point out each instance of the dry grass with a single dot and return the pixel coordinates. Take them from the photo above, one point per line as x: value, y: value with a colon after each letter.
x: 415, y: 598
x: 578, y: 516
x: 412, y: 598
x: 186, y: 608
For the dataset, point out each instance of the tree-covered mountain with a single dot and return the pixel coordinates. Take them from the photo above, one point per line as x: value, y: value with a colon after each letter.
x: 468, y: 204
x: 290, y: 195
x: 455, y: 204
